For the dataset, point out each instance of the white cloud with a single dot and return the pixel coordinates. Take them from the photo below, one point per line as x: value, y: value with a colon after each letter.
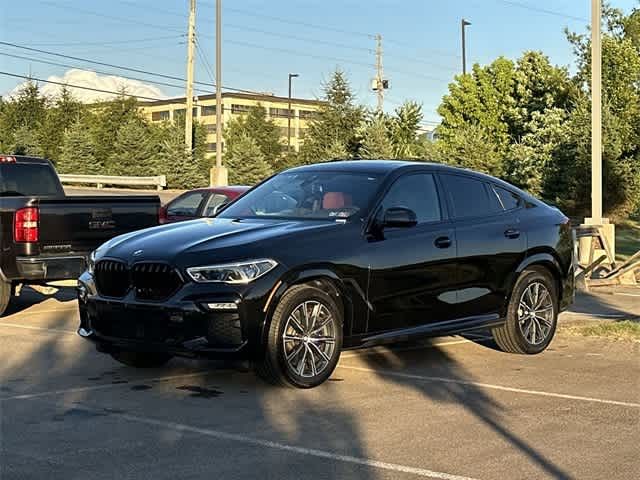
x: 89, y: 79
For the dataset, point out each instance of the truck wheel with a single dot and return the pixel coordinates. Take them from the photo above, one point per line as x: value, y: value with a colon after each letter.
x: 142, y: 359
x: 5, y: 296
x: 532, y: 314
x: 304, y: 339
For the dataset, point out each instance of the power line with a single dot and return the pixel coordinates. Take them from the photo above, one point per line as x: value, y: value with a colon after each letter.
x: 542, y: 10
x: 111, y: 65
x: 203, y: 59
x: 101, y: 72
x: 99, y: 90
x: 299, y: 53
x: 114, y: 42
x: 296, y: 22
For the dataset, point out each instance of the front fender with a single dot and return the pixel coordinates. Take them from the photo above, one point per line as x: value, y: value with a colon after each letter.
x: 351, y: 293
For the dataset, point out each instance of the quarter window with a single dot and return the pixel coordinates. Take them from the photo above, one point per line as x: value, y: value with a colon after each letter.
x: 468, y: 196
x: 418, y: 193
x: 508, y: 199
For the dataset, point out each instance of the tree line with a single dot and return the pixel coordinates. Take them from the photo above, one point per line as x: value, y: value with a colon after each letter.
x: 524, y: 120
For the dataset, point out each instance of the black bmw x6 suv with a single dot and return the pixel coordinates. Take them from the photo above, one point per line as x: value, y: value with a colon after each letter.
x: 331, y: 256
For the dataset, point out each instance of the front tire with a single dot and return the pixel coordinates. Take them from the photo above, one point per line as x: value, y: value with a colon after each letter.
x: 304, y: 339
x: 532, y: 314
x: 142, y: 359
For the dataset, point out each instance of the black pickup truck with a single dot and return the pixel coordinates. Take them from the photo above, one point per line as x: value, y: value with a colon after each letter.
x: 47, y: 236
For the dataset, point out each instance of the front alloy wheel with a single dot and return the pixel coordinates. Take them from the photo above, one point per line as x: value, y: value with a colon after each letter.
x: 309, y: 339
x: 304, y: 339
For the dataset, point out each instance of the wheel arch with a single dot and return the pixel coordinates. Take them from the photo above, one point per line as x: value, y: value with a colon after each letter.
x: 544, y: 260
x: 323, y: 278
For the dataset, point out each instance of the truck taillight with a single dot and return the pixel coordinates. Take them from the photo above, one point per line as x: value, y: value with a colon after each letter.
x: 7, y: 159
x: 25, y: 225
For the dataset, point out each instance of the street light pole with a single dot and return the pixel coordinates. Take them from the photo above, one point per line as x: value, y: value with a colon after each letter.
x: 464, y: 24
x: 596, y: 112
x: 218, y: 84
x: 291, y: 76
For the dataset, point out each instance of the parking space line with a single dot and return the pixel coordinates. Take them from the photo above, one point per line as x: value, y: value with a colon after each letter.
x: 31, y: 327
x: 598, y: 315
x: 104, y: 386
x: 313, y: 452
x: 490, y: 386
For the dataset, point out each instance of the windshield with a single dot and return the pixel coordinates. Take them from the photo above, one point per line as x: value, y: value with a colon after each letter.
x: 28, y: 179
x: 307, y: 195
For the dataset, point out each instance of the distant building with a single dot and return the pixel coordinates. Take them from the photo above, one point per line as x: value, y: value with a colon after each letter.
x: 204, y: 111
x: 430, y: 132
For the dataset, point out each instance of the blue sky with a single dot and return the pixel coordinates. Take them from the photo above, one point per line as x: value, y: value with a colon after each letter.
x: 421, y: 39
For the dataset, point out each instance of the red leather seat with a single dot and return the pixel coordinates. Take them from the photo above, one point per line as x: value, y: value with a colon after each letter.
x: 335, y: 200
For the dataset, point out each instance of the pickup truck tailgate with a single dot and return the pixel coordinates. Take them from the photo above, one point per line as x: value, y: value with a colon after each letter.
x: 82, y: 223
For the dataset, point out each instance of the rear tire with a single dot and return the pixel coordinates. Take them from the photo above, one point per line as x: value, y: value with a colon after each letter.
x: 302, y: 350
x: 5, y: 296
x: 532, y: 314
x: 142, y: 359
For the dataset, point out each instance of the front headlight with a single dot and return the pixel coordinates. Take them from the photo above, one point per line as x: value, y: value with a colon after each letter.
x: 242, y: 272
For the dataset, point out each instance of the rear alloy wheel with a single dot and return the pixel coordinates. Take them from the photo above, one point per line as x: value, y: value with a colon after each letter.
x: 305, y: 339
x: 142, y: 359
x: 532, y: 314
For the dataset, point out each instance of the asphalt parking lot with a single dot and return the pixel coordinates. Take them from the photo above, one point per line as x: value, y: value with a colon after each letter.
x: 452, y: 408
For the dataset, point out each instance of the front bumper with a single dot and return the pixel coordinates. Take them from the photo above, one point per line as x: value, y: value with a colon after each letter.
x: 187, y: 324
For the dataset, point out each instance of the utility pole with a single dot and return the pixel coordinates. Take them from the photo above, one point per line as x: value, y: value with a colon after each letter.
x: 379, y: 81
x: 219, y: 84
x: 188, y: 120
x: 219, y: 174
x: 291, y: 76
x: 464, y: 24
x: 596, y: 112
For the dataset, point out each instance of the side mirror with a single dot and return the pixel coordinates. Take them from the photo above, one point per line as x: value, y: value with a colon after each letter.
x: 399, y: 217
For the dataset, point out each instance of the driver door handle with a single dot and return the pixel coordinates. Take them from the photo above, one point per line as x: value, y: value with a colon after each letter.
x: 512, y: 233
x: 442, y: 242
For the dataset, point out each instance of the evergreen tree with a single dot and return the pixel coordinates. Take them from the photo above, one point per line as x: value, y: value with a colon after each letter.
x: 264, y: 131
x: 375, y: 142
x: 135, y: 150
x: 77, y: 154
x: 109, y: 116
x: 25, y: 142
x: 404, y: 127
x: 22, y: 115
x: 337, y: 123
x: 246, y: 163
x: 182, y: 169
x: 64, y: 113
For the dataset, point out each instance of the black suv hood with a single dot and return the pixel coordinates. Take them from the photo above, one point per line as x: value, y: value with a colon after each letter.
x: 208, y: 239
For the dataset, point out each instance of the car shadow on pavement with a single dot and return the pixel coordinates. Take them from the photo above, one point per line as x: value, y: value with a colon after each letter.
x: 455, y: 386
x: 29, y: 297
x: 43, y: 435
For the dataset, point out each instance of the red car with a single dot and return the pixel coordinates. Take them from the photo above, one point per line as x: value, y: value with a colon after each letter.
x: 202, y: 202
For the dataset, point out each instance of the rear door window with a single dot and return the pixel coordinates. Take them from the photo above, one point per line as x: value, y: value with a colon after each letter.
x: 187, y: 205
x: 468, y: 196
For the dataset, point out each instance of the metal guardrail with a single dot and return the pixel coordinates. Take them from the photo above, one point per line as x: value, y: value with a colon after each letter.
x: 159, y: 181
